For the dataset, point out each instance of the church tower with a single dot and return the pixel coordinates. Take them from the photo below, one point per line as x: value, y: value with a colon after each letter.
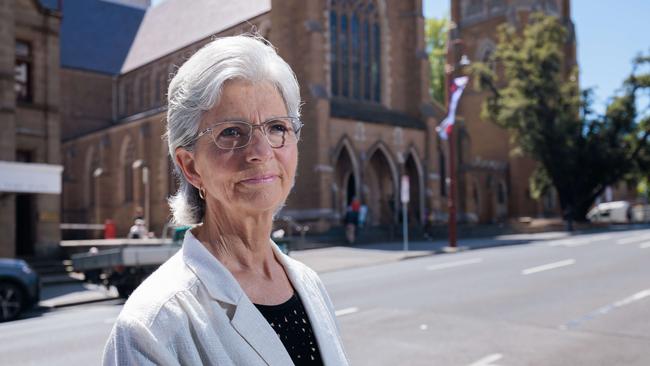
x: 492, y: 184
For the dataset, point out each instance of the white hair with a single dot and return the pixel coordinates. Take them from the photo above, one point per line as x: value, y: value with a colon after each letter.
x: 196, y: 88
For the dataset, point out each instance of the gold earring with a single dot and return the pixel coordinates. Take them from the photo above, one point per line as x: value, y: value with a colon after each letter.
x: 202, y: 193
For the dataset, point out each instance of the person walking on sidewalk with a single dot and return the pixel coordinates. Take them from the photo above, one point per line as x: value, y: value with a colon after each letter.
x: 230, y: 296
x: 352, y: 220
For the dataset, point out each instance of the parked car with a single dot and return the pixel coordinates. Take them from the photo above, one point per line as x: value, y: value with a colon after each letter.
x: 20, y: 288
x: 613, y: 212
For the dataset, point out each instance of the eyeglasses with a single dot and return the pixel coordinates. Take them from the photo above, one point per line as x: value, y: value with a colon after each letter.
x: 230, y: 135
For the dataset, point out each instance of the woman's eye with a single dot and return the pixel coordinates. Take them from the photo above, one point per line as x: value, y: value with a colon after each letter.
x: 278, y: 127
x: 231, y: 132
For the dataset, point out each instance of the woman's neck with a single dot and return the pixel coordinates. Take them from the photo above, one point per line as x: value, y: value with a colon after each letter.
x: 240, y: 242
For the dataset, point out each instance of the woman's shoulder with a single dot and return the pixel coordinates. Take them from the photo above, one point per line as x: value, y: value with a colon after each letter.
x: 161, y: 292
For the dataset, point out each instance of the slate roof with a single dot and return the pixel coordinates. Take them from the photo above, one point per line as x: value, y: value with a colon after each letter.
x: 174, y: 24
x: 96, y: 35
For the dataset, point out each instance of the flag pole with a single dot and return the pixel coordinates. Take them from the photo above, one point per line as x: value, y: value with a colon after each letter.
x: 451, y: 198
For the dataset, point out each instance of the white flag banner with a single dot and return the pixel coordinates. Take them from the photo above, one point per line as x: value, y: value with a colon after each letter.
x: 445, y: 127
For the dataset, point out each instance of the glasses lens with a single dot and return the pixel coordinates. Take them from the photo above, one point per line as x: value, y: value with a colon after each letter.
x: 231, y: 135
x: 281, y: 131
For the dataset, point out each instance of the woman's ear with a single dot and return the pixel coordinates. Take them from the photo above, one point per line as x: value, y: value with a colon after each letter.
x: 187, y: 164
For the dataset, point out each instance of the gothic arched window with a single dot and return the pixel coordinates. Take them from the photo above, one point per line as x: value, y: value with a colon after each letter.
x: 355, y: 52
x: 127, y: 158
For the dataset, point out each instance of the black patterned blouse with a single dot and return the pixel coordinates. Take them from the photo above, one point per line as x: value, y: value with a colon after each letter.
x: 290, y: 322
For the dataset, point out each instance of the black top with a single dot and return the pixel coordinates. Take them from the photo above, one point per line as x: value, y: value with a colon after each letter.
x: 290, y: 322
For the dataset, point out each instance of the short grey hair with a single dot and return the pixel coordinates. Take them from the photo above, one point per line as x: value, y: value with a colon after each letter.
x: 196, y: 88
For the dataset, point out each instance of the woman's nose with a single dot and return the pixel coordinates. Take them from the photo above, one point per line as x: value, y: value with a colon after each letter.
x: 259, y: 148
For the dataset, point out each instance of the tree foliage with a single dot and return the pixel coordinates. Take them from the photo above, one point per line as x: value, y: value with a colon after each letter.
x: 535, y: 97
x: 436, y: 39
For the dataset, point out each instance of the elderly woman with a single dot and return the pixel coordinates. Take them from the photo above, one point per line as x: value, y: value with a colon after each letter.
x: 229, y: 296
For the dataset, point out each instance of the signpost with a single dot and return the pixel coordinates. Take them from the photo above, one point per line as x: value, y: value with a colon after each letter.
x: 404, y: 196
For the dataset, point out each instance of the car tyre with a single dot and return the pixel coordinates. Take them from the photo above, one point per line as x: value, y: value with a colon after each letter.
x: 12, y: 300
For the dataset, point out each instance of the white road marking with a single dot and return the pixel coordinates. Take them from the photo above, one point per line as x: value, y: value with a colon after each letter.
x: 546, y: 267
x: 644, y: 245
x: 424, y: 327
x: 634, y: 239
x: 346, y: 311
x: 487, y: 360
x: 454, y: 264
x: 576, y: 242
x: 606, y: 309
x: 636, y: 297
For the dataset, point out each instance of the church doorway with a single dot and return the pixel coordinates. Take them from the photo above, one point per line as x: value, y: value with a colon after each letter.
x: 415, y: 202
x: 380, y: 195
x: 346, y: 181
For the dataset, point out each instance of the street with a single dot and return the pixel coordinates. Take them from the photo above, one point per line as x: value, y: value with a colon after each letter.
x: 581, y: 300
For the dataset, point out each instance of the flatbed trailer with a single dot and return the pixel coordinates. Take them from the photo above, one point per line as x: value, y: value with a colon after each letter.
x: 123, y: 263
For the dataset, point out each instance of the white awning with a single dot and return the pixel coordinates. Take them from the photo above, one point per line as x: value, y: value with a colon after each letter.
x: 30, y: 177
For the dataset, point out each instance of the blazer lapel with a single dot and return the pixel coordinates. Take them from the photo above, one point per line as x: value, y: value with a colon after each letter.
x: 322, y: 320
x: 257, y: 332
x: 246, y: 320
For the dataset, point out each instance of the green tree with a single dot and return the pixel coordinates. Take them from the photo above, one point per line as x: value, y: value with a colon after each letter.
x: 538, y: 101
x: 436, y: 39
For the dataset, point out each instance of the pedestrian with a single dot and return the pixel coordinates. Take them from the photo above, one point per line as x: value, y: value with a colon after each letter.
x: 138, y: 230
x: 352, y: 220
x: 230, y: 296
x: 363, y: 215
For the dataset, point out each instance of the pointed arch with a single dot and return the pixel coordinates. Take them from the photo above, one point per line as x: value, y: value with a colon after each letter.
x: 357, y: 49
x: 380, y: 189
x: 417, y: 192
x: 127, y: 157
x: 347, y: 174
x: 89, y: 184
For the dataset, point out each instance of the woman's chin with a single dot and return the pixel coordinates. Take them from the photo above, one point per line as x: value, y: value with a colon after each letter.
x: 262, y: 204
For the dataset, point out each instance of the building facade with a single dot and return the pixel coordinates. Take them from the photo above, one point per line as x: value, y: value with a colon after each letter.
x: 368, y: 116
x: 30, y: 136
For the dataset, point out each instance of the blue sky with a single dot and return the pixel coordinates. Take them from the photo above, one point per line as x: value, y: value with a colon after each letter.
x: 610, y: 34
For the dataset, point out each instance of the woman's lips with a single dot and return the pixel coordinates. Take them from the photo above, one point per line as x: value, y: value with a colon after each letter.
x: 261, y: 179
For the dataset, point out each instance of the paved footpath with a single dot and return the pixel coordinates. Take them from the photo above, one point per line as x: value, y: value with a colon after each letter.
x: 58, y: 292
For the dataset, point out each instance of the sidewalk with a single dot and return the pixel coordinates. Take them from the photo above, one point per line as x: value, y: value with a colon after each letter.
x: 336, y: 258
x: 59, y: 292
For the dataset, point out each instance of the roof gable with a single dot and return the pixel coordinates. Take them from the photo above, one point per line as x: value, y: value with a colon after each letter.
x: 96, y: 35
x: 175, y: 24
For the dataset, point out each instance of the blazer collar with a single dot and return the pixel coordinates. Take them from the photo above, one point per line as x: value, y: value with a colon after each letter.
x: 322, y: 319
x: 248, y: 321
x: 216, y: 278
x: 222, y: 287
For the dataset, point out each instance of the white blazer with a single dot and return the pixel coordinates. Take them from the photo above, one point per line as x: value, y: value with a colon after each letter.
x: 192, y: 311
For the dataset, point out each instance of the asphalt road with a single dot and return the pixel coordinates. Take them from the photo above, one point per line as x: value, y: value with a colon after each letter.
x: 578, y: 301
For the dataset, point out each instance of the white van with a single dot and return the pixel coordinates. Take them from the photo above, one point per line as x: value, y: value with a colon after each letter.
x: 614, y: 212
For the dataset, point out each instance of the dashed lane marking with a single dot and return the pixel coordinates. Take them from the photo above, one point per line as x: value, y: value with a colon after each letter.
x: 547, y: 267
x: 644, y: 245
x: 454, y: 264
x: 633, y: 239
x: 487, y: 360
x: 576, y: 242
x: 346, y: 311
x: 606, y: 309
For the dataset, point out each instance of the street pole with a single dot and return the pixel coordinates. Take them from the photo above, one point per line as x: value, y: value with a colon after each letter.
x: 405, y: 196
x: 97, y: 173
x: 145, y: 180
x: 452, y: 188
x: 405, y: 227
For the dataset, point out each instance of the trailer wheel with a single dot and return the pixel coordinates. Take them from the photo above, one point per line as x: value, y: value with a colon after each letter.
x: 125, y: 290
